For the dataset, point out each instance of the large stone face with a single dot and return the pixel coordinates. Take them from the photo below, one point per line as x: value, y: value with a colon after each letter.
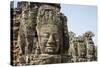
x: 49, y: 39
x: 49, y: 29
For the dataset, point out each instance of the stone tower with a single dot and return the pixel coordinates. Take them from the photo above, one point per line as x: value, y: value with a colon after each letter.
x: 42, y: 35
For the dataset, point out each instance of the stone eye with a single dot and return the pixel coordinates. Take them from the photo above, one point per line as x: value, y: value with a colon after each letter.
x: 55, y: 35
x: 57, y: 40
x: 46, y: 35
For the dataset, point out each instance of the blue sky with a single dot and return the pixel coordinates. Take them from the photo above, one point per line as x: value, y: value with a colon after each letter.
x: 81, y: 18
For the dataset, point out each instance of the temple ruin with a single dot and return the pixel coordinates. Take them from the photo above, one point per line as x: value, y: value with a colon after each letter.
x: 39, y: 35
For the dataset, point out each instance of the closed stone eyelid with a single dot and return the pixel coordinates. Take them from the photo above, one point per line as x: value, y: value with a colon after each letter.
x: 43, y: 35
x: 46, y: 35
x: 57, y: 40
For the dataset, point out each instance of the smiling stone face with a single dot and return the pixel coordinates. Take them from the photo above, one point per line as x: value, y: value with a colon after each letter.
x: 49, y: 39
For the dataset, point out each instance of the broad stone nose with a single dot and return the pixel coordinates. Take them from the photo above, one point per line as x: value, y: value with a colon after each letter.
x: 51, y: 40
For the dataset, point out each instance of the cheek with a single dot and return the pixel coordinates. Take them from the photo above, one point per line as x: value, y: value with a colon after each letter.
x: 58, y: 43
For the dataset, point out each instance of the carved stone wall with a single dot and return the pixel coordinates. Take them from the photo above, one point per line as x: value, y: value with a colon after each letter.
x: 36, y: 27
x: 82, y: 48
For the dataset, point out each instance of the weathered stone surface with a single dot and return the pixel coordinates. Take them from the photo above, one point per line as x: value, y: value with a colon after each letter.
x: 40, y: 36
x: 82, y: 47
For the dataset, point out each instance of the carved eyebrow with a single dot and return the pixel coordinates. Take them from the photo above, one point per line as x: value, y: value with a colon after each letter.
x: 45, y: 34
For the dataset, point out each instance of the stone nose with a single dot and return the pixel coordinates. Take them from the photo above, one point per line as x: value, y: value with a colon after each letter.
x: 51, y: 40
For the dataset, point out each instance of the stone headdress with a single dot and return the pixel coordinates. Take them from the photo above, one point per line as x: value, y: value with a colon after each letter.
x: 49, y: 14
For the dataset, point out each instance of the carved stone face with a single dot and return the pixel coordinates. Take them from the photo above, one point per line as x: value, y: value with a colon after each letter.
x: 91, y: 49
x: 49, y: 39
x: 82, y: 49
